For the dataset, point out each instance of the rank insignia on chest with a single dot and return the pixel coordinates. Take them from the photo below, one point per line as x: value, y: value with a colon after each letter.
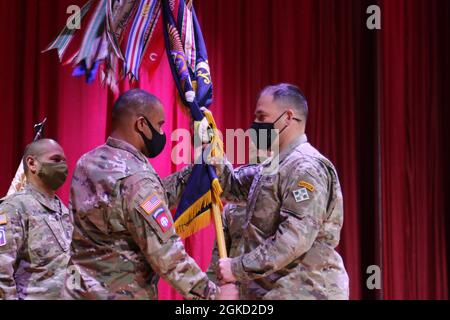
x: 301, y: 195
x: 150, y: 204
x: 2, y: 237
x: 3, y: 219
x: 162, y: 219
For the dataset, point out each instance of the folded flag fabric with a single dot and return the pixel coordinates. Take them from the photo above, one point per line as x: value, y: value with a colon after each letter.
x: 189, y: 63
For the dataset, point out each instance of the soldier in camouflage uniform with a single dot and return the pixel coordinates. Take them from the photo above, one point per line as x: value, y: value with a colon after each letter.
x: 124, y: 237
x: 35, y: 228
x: 294, y: 211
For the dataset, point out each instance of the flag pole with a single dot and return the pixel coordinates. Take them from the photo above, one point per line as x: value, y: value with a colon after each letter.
x: 19, y: 179
x: 217, y: 148
x: 219, y: 231
x: 38, y: 129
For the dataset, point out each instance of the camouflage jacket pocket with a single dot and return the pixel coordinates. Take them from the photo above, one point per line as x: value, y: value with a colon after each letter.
x: 46, y: 240
x: 59, y: 233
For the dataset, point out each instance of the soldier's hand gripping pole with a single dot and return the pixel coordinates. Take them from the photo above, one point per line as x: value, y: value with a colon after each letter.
x: 210, y: 134
x: 219, y: 231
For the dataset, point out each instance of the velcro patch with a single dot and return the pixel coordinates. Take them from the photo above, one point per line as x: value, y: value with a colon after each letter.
x: 162, y: 219
x: 2, y: 237
x: 301, y: 195
x: 306, y: 185
x: 151, y: 203
x: 3, y: 219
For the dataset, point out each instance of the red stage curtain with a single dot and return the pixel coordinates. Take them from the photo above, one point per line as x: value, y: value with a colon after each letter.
x: 413, y: 92
x: 377, y: 110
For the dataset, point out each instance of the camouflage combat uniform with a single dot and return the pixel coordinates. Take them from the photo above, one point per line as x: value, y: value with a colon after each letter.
x: 293, y: 223
x: 233, y: 218
x: 35, y: 233
x: 124, y: 237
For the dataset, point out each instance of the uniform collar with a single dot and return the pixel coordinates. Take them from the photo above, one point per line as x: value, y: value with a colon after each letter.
x: 54, y: 204
x: 120, y: 144
x: 292, y: 146
x: 277, y: 159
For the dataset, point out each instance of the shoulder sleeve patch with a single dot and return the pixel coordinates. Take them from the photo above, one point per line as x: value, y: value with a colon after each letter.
x: 162, y: 219
x: 306, y: 185
x: 155, y: 212
x: 151, y: 204
x: 3, y: 219
x: 2, y: 237
x: 301, y: 195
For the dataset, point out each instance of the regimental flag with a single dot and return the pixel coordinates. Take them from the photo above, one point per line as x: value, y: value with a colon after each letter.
x: 189, y: 63
x: 115, y: 41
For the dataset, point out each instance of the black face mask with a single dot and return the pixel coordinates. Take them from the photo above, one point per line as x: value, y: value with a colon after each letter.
x: 263, y: 130
x: 156, y: 145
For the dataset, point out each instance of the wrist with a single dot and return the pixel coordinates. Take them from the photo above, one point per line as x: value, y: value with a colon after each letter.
x: 237, y: 269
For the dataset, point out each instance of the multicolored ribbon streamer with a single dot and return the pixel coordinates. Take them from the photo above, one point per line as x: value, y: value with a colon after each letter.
x: 141, y: 31
x: 65, y: 37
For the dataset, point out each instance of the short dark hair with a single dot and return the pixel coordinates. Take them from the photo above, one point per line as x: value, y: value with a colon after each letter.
x: 134, y: 101
x: 287, y: 94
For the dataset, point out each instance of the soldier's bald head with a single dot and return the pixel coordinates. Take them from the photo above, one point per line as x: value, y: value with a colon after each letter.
x: 132, y: 104
x: 41, y: 148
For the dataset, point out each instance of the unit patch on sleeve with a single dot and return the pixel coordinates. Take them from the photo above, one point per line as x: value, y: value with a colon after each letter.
x: 301, y: 195
x: 162, y: 219
x: 2, y: 237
